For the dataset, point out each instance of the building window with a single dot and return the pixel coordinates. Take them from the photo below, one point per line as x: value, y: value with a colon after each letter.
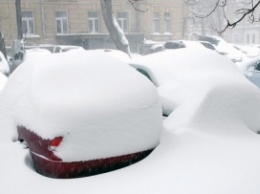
x: 236, y: 39
x: 247, y: 38
x: 93, y: 22
x: 122, y: 18
x: 253, y: 39
x: 167, y: 22
x: 28, y: 22
x: 61, y: 22
x: 156, y: 22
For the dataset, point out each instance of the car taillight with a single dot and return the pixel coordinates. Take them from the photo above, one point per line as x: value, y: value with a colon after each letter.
x: 55, y: 143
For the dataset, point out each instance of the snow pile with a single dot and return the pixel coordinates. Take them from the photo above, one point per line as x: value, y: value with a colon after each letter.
x: 36, y: 52
x: 101, y: 106
x: 4, y: 66
x: 202, y: 94
x: 248, y: 65
x: 115, y: 53
x: 208, y: 146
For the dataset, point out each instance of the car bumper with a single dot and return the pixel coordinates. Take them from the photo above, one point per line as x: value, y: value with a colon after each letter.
x: 60, y: 169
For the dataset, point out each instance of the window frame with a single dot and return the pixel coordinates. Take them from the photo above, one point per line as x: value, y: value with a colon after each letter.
x: 64, y: 29
x: 28, y: 22
x: 123, y: 22
x: 93, y: 22
x: 167, y: 22
x: 156, y: 23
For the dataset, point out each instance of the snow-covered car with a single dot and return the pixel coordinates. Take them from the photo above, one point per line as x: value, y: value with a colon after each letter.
x: 249, y: 51
x: 24, y: 55
x: 206, y: 147
x: 156, y: 48
x: 177, y: 44
x: 65, y: 48
x: 150, y: 46
x: 83, y: 113
x: 208, y: 45
x: 115, y: 53
x: 188, y: 44
x: 4, y: 66
x: 35, y: 52
x: 177, y: 68
x: 251, y: 69
x: 224, y: 48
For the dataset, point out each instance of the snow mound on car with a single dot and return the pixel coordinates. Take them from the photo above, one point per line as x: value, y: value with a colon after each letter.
x: 205, y: 90
x: 214, y: 96
x: 100, y: 105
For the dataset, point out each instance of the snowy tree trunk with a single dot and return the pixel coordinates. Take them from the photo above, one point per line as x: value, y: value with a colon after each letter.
x: 19, y: 19
x: 116, y: 33
x: 2, y: 45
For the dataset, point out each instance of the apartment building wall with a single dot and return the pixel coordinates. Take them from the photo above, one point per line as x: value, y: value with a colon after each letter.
x: 8, y: 20
x: 140, y: 20
x: 176, y: 10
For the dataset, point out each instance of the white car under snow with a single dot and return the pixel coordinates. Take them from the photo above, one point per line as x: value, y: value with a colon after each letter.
x: 194, y: 86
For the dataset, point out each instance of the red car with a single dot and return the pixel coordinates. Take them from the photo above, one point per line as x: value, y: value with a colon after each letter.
x: 83, y: 113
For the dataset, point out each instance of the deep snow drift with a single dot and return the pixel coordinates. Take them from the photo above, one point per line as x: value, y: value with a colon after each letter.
x: 99, y: 105
x: 209, y: 144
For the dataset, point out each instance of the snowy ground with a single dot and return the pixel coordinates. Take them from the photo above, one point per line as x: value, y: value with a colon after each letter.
x: 183, y: 163
x: 215, y: 157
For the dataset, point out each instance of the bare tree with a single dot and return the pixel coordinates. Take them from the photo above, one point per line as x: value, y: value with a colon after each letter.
x: 19, y: 19
x: 116, y: 33
x: 200, y: 17
x: 2, y: 44
x: 2, y: 40
x: 247, y: 11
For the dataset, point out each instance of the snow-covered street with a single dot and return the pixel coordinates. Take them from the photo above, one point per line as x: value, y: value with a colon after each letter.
x: 208, y: 144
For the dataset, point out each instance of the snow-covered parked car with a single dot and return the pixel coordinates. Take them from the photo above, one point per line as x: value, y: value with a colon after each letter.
x: 179, y: 73
x: 249, y: 51
x: 115, y: 53
x: 24, y: 55
x: 65, y: 48
x: 251, y: 69
x: 224, y: 48
x: 177, y: 44
x: 206, y: 147
x: 4, y: 66
x: 83, y: 113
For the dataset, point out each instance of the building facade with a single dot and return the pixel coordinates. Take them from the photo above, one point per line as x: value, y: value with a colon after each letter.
x: 80, y: 22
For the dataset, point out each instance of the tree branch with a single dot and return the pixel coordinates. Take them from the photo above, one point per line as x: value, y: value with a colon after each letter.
x: 245, y: 12
x: 133, y: 3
